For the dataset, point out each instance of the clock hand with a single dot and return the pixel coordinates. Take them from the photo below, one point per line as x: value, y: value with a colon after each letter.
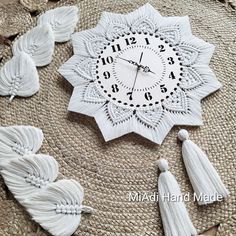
x: 146, y: 69
x: 129, y: 61
x: 136, y: 75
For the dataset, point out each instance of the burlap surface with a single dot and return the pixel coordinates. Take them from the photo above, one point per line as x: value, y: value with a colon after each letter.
x: 110, y: 171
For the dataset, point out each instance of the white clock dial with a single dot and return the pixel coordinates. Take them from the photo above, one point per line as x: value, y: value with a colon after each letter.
x: 141, y: 73
x: 120, y: 76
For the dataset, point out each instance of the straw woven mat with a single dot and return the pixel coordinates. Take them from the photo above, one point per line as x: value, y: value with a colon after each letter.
x: 109, y: 171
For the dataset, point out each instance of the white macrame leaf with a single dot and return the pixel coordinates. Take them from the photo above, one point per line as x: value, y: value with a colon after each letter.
x: 63, y: 21
x: 38, y: 43
x: 175, y: 28
x: 150, y: 117
x: 19, y: 77
x: 78, y: 71
x: 177, y: 102
x: 58, y: 207
x: 30, y: 174
x: 118, y: 114
x: 17, y: 141
x: 145, y: 19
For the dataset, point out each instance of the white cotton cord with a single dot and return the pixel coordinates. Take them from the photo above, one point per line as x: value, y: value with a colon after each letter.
x: 58, y: 207
x: 62, y: 20
x: 17, y: 141
x: 204, y: 178
x: 29, y: 175
x: 19, y: 76
x: 175, y: 218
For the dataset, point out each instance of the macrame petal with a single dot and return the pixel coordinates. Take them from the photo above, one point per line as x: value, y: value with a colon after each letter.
x: 118, y: 114
x: 177, y: 102
x: 191, y: 79
x: 19, y: 76
x: 86, y: 99
x: 114, y: 25
x: 30, y: 174
x: 150, y: 117
x: 175, y: 28
x: 196, y: 51
x: 89, y: 42
x: 38, y: 43
x: 78, y: 71
x: 63, y: 21
x: 16, y: 141
x: 146, y: 19
x: 58, y: 208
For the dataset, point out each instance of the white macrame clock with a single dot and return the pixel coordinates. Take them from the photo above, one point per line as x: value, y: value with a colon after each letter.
x: 141, y: 73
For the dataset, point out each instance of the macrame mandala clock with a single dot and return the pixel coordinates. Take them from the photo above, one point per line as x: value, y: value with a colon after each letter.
x: 141, y: 73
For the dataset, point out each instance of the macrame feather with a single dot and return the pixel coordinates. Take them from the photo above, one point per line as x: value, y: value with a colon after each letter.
x: 38, y: 43
x: 63, y: 21
x: 26, y: 176
x: 17, y: 141
x: 58, y: 208
x: 19, y: 77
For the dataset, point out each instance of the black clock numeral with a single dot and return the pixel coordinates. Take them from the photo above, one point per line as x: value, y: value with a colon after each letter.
x: 172, y: 76
x: 162, y: 48
x: 108, y: 60
x: 106, y: 74
x: 163, y: 88
x: 116, y: 48
x: 130, y: 94
x: 171, y: 60
x: 147, y: 41
x: 131, y: 40
x: 115, y: 88
x: 148, y: 96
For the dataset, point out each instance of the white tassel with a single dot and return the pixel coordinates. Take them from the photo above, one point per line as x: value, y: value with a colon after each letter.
x: 16, y: 141
x: 58, y: 207
x: 175, y: 218
x: 62, y: 20
x: 26, y: 176
x: 204, y: 178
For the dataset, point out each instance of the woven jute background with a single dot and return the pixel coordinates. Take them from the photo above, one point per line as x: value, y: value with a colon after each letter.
x: 110, y: 171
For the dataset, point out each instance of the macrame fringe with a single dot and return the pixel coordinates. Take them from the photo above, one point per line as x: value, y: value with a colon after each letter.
x: 175, y: 218
x: 56, y: 206
x: 204, y: 178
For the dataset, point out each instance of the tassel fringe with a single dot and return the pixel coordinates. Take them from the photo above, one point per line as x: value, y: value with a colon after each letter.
x: 204, y: 178
x: 175, y: 218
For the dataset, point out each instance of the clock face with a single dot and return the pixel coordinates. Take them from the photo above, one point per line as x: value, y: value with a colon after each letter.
x: 138, y: 70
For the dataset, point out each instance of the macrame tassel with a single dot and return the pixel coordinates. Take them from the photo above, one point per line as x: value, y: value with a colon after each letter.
x: 205, y: 180
x: 175, y: 218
